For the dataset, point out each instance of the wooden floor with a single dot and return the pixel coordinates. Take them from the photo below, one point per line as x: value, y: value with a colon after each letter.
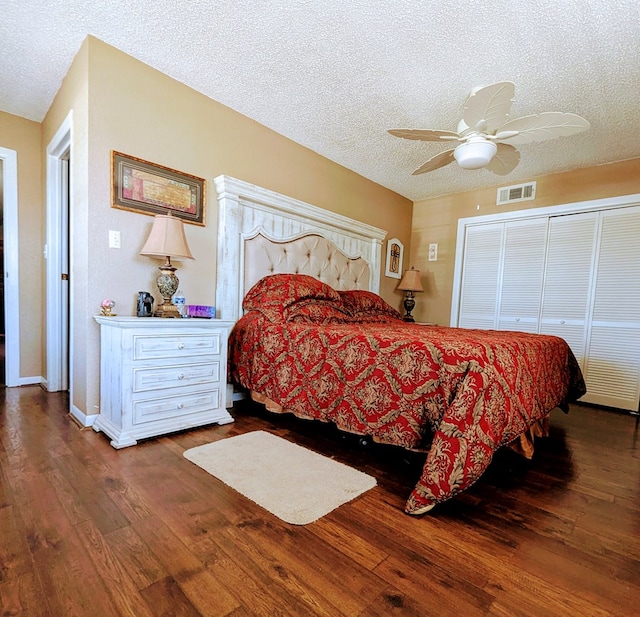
x: 90, y: 531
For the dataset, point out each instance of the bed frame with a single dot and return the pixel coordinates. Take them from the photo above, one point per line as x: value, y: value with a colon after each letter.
x: 262, y: 232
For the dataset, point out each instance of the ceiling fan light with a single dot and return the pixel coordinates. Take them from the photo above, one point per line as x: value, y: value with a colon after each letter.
x: 475, y: 154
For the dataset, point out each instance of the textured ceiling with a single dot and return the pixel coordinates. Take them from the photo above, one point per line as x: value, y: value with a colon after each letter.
x: 334, y: 75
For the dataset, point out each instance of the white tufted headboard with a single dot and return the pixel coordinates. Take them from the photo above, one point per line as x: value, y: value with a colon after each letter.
x: 310, y: 254
x: 261, y: 232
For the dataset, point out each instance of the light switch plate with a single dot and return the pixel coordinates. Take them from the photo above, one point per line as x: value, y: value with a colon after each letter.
x: 114, y: 239
x: 433, y: 252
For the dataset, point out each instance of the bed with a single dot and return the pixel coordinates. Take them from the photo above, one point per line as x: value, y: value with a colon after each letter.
x: 334, y: 350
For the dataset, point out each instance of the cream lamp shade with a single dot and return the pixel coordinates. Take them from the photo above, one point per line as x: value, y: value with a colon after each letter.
x: 410, y: 283
x: 167, y: 239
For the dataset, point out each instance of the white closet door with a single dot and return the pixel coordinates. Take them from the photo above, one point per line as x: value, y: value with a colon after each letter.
x: 522, y: 275
x: 613, y: 357
x: 567, y: 287
x: 482, y: 261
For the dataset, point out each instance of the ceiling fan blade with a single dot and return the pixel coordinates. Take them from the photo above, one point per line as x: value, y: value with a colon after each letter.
x: 540, y: 127
x: 424, y: 134
x: 487, y: 109
x: 504, y: 160
x: 435, y: 162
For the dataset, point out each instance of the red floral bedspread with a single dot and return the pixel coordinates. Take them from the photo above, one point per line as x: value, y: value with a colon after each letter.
x: 459, y: 394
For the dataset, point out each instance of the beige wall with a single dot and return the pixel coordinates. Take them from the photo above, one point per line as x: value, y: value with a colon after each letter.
x: 436, y: 221
x: 121, y: 104
x: 23, y: 136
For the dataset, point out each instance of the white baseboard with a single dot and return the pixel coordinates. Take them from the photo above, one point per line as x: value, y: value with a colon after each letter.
x: 31, y: 381
x: 82, y: 418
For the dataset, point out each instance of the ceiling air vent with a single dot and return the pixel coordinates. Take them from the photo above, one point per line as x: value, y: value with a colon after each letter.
x: 517, y: 192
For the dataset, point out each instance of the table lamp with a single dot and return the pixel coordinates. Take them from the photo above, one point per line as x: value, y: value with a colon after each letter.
x: 167, y: 239
x: 410, y: 283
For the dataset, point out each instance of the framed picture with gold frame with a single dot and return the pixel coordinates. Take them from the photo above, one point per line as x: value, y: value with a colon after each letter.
x: 149, y: 188
x: 395, y: 253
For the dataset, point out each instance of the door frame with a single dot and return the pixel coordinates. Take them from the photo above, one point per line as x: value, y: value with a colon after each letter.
x: 59, y: 296
x: 11, y: 266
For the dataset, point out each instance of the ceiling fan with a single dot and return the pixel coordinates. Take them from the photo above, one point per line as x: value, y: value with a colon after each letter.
x: 487, y: 135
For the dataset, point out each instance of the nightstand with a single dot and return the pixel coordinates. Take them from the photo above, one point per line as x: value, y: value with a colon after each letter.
x: 158, y: 376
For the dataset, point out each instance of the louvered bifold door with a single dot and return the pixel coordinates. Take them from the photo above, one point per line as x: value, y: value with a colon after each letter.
x: 566, y: 295
x: 613, y: 357
x: 522, y: 275
x: 482, y: 261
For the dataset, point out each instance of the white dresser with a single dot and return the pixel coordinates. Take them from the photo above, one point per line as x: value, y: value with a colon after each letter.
x: 161, y: 375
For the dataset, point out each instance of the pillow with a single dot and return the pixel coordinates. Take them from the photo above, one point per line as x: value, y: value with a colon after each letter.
x: 367, y: 306
x: 273, y: 294
x: 317, y: 312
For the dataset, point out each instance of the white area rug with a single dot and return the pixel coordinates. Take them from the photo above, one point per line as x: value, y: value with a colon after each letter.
x: 293, y: 483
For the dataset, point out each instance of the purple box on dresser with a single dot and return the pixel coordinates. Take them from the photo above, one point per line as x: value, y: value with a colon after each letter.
x: 197, y: 310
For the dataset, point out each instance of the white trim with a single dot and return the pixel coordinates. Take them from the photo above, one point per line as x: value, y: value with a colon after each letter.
x: 31, y: 381
x: 607, y: 203
x: 11, y: 266
x: 58, y: 146
x: 84, y: 419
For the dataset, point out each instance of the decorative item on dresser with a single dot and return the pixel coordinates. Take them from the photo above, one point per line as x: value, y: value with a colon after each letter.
x: 159, y: 376
x: 410, y: 283
x: 167, y: 239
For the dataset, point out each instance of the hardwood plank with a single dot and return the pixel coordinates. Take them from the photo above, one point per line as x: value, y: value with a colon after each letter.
x: 249, y: 586
x: 412, y: 576
x: 181, y: 564
x: 167, y: 600
x: 574, y: 573
x: 135, y: 556
x: 60, y: 561
x: 23, y: 595
x: 14, y: 550
x: 117, y: 575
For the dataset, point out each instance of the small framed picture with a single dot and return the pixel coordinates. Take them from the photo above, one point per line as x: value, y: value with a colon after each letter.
x: 395, y: 253
x: 148, y: 188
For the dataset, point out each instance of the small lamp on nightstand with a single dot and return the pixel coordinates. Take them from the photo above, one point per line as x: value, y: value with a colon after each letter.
x: 410, y: 284
x: 167, y: 239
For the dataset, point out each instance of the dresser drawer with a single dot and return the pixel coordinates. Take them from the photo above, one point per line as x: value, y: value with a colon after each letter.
x: 153, y: 347
x: 176, y: 406
x: 160, y: 377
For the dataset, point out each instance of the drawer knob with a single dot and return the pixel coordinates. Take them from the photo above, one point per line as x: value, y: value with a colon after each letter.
x: 181, y: 376
x: 562, y: 321
x: 180, y: 345
x: 180, y: 405
x: 517, y: 318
